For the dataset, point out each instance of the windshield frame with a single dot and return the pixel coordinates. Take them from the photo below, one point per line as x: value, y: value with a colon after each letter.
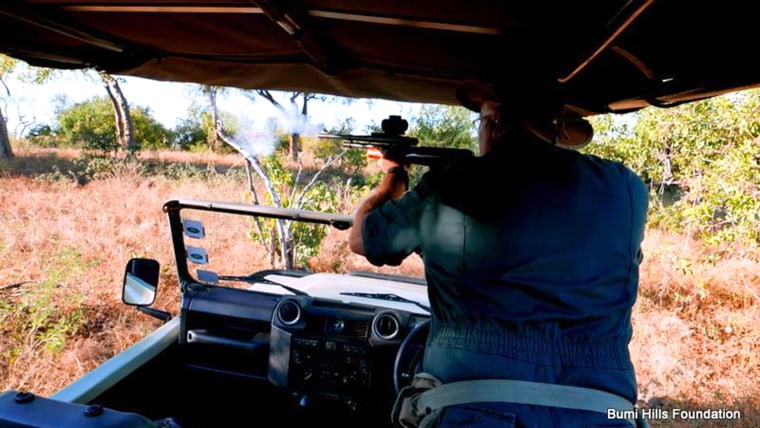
x: 173, y: 209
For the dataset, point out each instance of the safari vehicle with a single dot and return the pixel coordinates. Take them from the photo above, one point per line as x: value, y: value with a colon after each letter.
x: 309, y: 347
x: 294, y: 347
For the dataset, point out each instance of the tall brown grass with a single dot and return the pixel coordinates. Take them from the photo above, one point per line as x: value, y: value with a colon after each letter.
x: 64, y: 246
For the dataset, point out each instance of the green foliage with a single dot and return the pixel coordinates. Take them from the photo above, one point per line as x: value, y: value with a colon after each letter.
x: 231, y: 127
x: 614, y: 139
x: 24, y: 72
x: 43, y: 136
x: 280, y: 176
x: 353, y: 161
x: 149, y: 133
x: 181, y: 171
x: 189, y: 133
x: 37, y: 320
x: 444, y: 126
x: 99, y: 167
x: 7, y: 64
x: 308, y: 237
x: 322, y: 196
x: 91, y: 125
x: 91, y: 167
x: 701, y: 161
x: 323, y: 148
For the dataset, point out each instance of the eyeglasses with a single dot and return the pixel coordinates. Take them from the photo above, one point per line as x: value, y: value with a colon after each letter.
x: 476, y: 122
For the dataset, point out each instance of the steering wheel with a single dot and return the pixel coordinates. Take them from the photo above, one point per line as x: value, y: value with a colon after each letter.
x: 409, y: 356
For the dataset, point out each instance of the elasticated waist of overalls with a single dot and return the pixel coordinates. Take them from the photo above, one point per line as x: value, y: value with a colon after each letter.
x: 535, y: 348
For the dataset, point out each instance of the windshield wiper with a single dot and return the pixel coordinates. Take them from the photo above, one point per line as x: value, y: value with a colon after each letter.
x: 389, y: 297
x: 256, y: 279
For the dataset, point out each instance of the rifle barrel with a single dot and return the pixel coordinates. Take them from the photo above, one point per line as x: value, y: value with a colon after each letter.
x: 378, y: 139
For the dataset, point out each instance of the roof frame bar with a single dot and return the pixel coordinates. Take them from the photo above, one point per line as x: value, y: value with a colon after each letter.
x: 616, y: 32
x: 302, y: 34
x: 28, y: 17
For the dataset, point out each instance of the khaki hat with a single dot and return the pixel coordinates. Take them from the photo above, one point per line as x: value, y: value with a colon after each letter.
x: 544, y: 114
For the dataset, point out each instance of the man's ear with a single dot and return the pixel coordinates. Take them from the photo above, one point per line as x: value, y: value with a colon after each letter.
x: 499, y: 128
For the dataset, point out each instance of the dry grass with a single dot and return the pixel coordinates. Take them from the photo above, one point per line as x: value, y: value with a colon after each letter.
x: 695, y: 343
x: 67, y: 246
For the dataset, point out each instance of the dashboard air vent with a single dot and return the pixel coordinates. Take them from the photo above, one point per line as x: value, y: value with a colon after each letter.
x: 386, y: 326
x: 289, y: 312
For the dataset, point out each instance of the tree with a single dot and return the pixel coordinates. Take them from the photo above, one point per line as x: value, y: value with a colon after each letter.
x: 211, y: 93
x: 352, y: 162
x: 295, y: 117
x: 701, y: 163
x: 277, y: 181
x: 270, y: 169
x: 189, y: 133
x: 123, y: 120
x: 5, y: 142
x: 33, y: 74
x: 90, y: 124
x: 7, y: 65
x: 444, y: 126
x: 149, y: 133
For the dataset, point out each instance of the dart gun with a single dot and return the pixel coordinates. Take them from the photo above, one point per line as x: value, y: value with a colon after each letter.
x: 392, y: 144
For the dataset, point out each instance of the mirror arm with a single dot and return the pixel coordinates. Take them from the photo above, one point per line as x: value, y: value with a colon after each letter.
x: 156, y: 313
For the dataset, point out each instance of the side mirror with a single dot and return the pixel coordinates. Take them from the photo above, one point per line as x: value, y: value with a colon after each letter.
x: 140, y: 282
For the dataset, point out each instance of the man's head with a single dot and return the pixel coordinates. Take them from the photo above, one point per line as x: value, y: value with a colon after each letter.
x: 541, y: 115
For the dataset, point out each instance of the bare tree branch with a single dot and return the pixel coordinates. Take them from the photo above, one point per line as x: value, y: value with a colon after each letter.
x: 252, y: 189
x: 7, y: 90
x: 283, y: 232
x: 313, y: 180
x: 211, y: 92
x: 16, y: 285
x: 269, y: 97
x: 23, y: 123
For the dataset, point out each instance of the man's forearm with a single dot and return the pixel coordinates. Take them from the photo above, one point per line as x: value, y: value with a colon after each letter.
x: 392, y: 187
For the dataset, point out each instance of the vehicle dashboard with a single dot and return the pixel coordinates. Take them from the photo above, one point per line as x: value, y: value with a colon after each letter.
x: 317, y: 350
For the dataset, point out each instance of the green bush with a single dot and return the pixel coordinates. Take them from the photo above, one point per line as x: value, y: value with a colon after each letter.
x: 707, y: 153
x: 43, y: 136
x: 91, y: 125
x: 149, y: 133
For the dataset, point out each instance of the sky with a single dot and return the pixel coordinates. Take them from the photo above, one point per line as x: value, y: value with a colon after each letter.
x: 169, y: 102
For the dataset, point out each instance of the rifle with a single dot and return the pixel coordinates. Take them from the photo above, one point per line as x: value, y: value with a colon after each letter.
x: 392, y: 144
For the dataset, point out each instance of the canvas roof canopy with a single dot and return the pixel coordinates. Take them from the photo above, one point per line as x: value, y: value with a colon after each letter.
x: 604, y: 55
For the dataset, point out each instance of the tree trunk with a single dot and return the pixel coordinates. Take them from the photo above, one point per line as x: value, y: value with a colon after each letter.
x: 295, y: 138
x: 215, y: 142
x: 5, y: 142
x: 294, y: 142
x: 284, y: 233
x: 124, y: 126
x: 294, y: 146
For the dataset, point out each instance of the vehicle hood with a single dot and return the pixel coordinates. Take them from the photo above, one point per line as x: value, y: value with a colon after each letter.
x: 604, y: 56
x: 334, y: 286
